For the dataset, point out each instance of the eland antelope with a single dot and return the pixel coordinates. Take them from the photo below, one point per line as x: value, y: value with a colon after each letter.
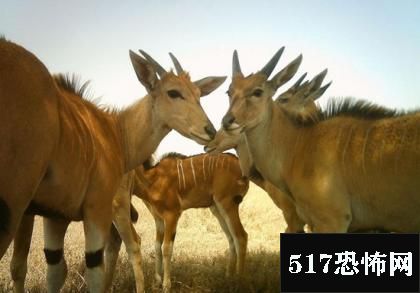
x: 63, y: 157
x: 177, y: 183
x: 353, y: 167
x: 293, y: 101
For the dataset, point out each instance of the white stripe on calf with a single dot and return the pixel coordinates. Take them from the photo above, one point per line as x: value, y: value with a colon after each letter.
x: 204, y: 169
x: 193, y: 171
x: 182, y: 172
x: 210, y: 159
x: 179, y: 178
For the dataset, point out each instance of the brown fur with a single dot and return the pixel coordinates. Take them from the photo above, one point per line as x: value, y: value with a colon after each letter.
x: 199, y: 181
x: 177, y: 183
x: 282, y: 200
x: 48, y: 129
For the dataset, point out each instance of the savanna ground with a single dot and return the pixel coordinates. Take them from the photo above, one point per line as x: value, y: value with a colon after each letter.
x: 199, y: 257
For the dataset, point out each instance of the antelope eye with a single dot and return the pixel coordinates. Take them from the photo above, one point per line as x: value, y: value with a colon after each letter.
x: 258, y: 93
x: 284, y: 100
x: 174, y: 94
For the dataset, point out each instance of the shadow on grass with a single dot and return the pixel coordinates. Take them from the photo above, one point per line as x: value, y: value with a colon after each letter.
x: 189, y: 274
x: 197, y: 274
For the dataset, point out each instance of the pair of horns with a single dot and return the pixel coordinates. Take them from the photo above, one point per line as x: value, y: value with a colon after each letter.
x: 159, y: 69
x: 309, y: 88
x: 312, y: 85
x: 236, y: 67
x: 266, y: 70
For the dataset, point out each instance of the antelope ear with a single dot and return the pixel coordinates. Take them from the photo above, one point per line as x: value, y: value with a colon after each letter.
x: 286, y: 73
x: 144, y: 71
x: 209, y: 84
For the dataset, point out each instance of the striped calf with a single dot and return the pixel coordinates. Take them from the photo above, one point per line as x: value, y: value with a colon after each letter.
x: 177, y: 183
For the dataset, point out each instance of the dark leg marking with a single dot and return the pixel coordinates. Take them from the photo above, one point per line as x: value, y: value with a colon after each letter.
x: 53, y: 257
x: 94, y: 259
x: 40, y: 210
x: 4, y: 217
x: 173, y: 236
x: 237, y: 199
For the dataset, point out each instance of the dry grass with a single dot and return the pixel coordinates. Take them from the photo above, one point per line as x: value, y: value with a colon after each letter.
x: 199, y: 253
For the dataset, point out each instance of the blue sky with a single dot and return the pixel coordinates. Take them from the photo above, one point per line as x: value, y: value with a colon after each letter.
x: 371, y: 48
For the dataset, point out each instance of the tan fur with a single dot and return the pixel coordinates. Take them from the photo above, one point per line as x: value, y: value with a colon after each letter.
x: 352, y: 171
x: 63, y: 156
x: 202, y: 181
x: 224, y: 141
x: 297, y: 102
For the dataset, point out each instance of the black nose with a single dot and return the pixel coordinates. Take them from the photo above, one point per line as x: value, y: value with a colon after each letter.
x: 209, y: 129
x: 227, y: 120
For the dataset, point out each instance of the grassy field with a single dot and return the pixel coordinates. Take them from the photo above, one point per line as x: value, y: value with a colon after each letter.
x: 199, y: 257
